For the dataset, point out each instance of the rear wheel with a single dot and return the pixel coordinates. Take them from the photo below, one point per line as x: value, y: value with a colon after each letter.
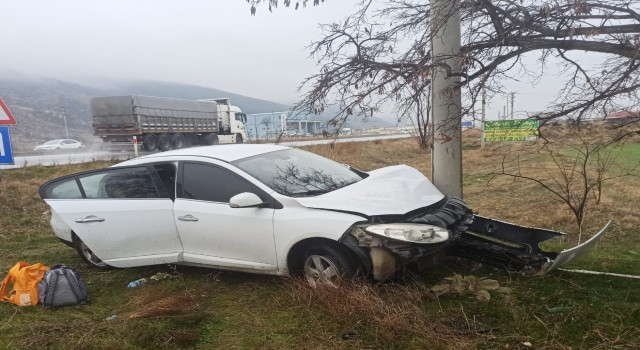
x: 87, y: 255
x: 326, y: 265
x: 150, y: 142
x: 164, y: 142
x: 177, y: 141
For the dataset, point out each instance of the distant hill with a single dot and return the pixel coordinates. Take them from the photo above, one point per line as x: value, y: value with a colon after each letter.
x: 37, y: 103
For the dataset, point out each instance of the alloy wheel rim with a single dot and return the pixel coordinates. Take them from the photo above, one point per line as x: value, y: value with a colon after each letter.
x: 320, y: 271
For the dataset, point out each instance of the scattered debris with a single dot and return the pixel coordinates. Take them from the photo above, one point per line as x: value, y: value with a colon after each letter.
x: 588, y: 272
x: 137, y: 283
x: 527, y: 344
x: 478, y: 286
x: 112, y: 317
x: 161, y: 276
x: 558, y: 309
x: 350, y: 335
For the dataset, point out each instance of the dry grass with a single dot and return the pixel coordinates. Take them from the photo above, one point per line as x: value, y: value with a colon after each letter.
x: 392, y: 313
x: 234, y: 310
x: 149, y: 305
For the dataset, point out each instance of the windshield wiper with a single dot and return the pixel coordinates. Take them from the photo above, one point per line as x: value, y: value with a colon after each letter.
x: 310, y: 193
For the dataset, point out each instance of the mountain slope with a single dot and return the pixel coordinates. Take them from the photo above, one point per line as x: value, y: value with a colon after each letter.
x: 37, y: 105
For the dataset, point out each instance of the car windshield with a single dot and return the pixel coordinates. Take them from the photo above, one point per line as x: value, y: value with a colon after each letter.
x: 297, y: 173
x: 52, y: 142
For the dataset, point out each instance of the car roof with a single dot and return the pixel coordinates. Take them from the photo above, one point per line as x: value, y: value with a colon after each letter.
x: 227, y: 153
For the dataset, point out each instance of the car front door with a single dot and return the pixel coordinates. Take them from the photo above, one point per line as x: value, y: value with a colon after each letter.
x: 212, y: 232
x: 124, y: 215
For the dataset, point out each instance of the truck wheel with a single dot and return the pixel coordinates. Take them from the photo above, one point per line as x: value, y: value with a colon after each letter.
x: 190, y: 140
x: 177, y: 141
x: 164, y: 142
x: 150, y: 142
x: 239, y: 138
x: 210, y: 139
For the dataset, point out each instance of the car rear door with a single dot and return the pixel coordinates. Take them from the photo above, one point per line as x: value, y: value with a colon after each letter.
x: 124, y: 215
x: 211, y: 231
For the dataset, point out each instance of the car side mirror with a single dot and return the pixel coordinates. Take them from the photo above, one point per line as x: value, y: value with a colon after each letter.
x: 246, y: 200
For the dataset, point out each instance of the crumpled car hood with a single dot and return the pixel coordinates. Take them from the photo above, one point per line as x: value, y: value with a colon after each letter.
x: 393, y: 190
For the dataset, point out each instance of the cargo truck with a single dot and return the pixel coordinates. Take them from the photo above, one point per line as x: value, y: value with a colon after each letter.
x: 166, y: 123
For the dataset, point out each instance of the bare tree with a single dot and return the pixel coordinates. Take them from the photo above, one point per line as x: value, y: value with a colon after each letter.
x: 569, y: 167
x: 266, y: 122
x: 380, y: 55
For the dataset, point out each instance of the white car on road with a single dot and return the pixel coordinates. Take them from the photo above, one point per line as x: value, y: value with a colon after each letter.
x: 277, y: 210
x: 58, y: 144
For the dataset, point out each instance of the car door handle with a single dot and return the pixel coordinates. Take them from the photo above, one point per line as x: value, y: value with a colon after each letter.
x: 187, y: 217
x: 90, y: 218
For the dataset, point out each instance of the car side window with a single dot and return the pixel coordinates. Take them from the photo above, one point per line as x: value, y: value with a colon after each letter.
x: 167, y: 175
x: 67, y: 189
x: 126, y: 183
x: 211, y: 183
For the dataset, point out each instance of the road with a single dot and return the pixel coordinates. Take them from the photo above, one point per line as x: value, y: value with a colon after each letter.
x: 73, y: 158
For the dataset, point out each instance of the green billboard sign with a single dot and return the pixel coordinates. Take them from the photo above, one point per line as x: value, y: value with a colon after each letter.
x: 511, y: 130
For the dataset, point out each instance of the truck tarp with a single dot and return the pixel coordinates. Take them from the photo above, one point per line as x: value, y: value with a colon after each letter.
x: 151, y: 106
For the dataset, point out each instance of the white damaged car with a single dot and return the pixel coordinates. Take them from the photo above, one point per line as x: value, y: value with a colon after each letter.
x: 277, y: 210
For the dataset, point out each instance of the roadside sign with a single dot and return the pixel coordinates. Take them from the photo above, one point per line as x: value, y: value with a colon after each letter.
x: 6, y: 152
x: 467, y: 124
x: 511, y: 130
x: 6, y: 118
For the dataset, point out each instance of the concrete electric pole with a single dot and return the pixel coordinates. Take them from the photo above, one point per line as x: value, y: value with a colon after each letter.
x: 446, y: 160
x: 64, y: 116
x: 513, y: 97
x: 484, y: 115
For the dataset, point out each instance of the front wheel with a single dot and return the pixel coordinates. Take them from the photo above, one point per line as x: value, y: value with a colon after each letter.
x: 328, y: 265
x: 239, y: 138
x: 87, y: 255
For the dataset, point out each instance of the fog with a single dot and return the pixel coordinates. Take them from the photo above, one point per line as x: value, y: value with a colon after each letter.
x: 203, y: 42
x: 210, y: 43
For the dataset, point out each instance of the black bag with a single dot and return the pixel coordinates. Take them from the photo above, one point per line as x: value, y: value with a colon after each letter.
x: 61, y: 286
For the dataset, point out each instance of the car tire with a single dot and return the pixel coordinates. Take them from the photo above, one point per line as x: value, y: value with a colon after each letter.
x: 239, y: 138
x: 150, y: 142
x: 164, y: 142
x: 177, y: 141
x: 87, y: 255
x: 327, y: 265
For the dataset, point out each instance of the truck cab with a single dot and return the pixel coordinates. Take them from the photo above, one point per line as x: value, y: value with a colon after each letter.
x: 231, y: 121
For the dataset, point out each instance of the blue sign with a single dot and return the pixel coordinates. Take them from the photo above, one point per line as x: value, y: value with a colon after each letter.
x: 6, y: 153
x: 467, y: 124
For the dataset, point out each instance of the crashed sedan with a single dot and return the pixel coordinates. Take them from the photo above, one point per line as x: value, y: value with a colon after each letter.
x: 277, y: 210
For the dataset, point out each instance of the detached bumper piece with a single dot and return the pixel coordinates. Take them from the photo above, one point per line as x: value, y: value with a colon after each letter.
x: 515, y: 248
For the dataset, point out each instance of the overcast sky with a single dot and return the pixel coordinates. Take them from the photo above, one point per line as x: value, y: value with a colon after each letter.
x: 214, y: 43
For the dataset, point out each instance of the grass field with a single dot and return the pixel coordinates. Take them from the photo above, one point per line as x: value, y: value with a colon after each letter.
x: 211, y: 309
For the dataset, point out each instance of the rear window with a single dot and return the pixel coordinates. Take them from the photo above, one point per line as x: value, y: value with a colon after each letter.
x: 131, y: 183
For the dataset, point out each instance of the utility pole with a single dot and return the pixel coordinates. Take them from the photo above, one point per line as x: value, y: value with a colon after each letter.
x: 484, y: 111
x: 513, y: 96
x: 64, y: 116
x: 446, y: 160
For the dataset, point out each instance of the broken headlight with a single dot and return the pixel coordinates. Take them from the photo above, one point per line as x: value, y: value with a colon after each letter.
x: 415, y: 233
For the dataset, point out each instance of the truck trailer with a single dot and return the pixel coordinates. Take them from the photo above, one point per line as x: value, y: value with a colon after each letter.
x: 166, y: 123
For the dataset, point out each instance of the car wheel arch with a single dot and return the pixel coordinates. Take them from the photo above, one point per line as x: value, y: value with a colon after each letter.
x: 76, y: 241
